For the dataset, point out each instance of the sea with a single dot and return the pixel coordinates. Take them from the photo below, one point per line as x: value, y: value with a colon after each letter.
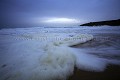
x: 26, y: 53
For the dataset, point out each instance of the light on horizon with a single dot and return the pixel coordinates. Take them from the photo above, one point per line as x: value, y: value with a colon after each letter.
x: 60, y: 20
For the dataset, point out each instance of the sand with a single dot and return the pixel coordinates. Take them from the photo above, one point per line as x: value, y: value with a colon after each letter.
x: 111, y: 73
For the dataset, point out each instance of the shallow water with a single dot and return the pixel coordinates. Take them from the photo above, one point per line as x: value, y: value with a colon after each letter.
x: 106, y: 43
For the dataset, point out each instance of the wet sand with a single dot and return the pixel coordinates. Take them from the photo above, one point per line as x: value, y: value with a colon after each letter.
x: 112, y: 72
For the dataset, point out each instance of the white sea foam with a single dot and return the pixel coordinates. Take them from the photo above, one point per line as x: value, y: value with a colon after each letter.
x: 35, y: 59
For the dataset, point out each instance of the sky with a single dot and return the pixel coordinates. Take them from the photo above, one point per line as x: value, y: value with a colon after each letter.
x: 19, y: 13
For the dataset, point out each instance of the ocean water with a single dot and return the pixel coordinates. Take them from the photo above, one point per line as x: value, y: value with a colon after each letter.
x: 51, y: 53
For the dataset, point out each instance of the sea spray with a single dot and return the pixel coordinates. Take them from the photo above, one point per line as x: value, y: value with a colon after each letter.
x: 58, y: 63
x: 59, y: 59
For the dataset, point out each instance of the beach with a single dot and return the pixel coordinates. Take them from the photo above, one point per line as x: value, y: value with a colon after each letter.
x: 112, y: 72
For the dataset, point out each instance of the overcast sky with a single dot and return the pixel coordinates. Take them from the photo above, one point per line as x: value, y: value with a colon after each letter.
x: 36, y: 12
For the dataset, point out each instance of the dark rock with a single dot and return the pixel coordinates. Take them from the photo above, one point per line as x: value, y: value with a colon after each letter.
x: 102, y: 23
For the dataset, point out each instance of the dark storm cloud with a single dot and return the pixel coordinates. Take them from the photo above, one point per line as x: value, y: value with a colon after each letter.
x: 24, y: 12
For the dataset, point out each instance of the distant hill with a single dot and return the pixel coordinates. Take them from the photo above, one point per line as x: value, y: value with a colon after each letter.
x: 101, y: 23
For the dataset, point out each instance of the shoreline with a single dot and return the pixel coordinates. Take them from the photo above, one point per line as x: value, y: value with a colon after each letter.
x: 112, y: 72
